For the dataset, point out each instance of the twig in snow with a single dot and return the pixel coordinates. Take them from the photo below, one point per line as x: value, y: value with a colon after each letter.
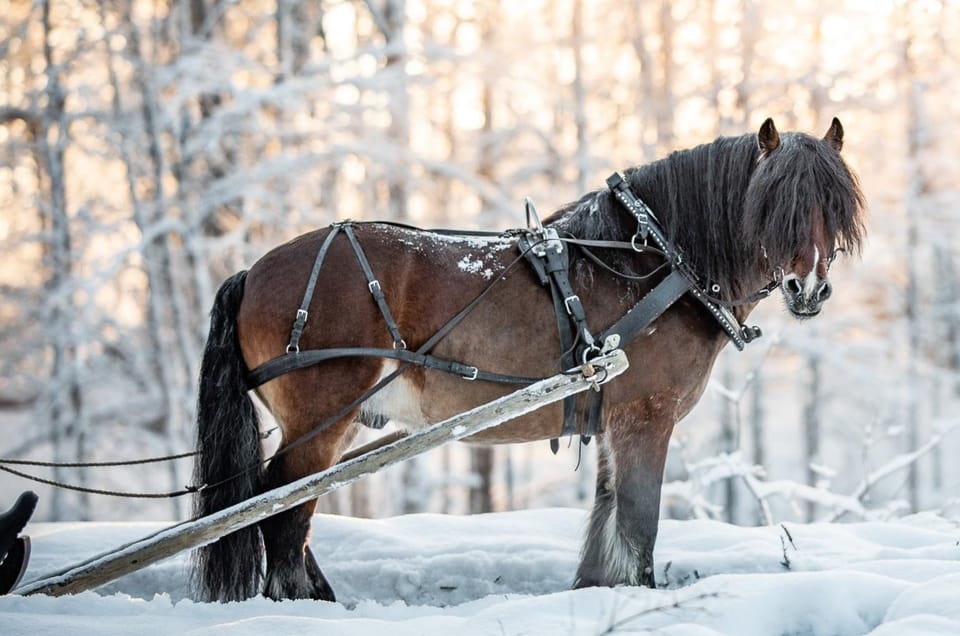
x: 783, y: 544
x: 616, y: 625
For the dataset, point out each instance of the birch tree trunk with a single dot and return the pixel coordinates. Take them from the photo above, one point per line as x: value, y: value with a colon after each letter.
x: 481, y: 487
x: 163, y: 352
x: 579, y: 99
x: 65, y: 397
x: 813, y: 411
x: 729, y: 435
x: 918, y: 188
x: 811, y: 426
x: 398, y: 180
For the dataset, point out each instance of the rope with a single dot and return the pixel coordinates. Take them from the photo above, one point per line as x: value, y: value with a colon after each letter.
x: 98, y: 491
x: 128, y: 462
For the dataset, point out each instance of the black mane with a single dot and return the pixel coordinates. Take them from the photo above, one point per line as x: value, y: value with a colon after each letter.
x: 719, y: 203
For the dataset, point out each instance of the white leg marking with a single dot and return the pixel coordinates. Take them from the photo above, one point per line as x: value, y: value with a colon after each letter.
x: 619, y: 558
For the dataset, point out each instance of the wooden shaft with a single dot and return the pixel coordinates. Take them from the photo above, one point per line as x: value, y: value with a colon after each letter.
x: 372, y: 445
x: 139, y: 554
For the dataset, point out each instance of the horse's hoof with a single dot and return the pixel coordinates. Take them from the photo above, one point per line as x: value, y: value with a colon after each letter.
x: 323, y: 593
x: 278, y: 588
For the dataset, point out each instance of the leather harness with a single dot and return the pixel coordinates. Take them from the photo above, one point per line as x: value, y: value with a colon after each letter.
x: 548, y: 254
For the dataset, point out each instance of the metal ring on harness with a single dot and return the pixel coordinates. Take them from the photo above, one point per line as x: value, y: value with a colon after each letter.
x: 590, y: 353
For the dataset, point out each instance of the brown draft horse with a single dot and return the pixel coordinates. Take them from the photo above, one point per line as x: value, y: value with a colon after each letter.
x: 742, y: 210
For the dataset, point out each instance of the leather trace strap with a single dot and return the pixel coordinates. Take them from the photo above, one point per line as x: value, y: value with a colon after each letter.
x: 303, y: 359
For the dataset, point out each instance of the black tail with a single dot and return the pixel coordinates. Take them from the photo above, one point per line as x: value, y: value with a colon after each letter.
x: 228, y: 440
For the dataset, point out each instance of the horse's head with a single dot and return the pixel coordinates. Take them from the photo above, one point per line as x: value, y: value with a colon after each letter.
x: 803, y: 207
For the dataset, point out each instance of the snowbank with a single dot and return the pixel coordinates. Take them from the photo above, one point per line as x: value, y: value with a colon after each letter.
x: 509, y: 573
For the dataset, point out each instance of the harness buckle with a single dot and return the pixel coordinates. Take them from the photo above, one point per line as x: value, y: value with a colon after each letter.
x: 570, y: 299
x: 474, y: 372
x: 302, y: 316
x: 547, y: 239
x: 373, y: 285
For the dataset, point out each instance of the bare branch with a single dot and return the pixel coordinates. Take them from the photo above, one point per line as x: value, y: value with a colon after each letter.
x: 378, y: 18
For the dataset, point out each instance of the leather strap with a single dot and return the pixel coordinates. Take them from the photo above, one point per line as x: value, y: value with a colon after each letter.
x: 649, y: 308
x: 374, y: 286
x: 557, y: 265
x: 302, y: 314
x: 293, y: 361
x: 549, y: 260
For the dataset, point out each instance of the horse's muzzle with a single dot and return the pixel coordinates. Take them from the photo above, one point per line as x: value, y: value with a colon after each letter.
x: 805, y: 298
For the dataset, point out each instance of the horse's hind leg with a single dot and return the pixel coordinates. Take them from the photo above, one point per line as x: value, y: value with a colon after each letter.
x: 623, y: 524
x: 292, y: 571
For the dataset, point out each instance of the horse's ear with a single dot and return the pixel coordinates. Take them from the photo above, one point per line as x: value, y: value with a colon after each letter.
x: 768, y: 138
x: 834, y: 136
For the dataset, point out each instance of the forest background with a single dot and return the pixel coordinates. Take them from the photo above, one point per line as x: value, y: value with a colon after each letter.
x: 149, y: 148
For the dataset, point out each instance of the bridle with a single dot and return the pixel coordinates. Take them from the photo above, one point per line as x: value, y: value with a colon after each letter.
x: 776, y: 279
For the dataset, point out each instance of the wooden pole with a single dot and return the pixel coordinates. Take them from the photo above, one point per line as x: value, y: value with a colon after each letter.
x: 139, y: 554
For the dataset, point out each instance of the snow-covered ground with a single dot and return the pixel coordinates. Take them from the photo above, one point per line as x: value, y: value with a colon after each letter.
x: 509, y: 573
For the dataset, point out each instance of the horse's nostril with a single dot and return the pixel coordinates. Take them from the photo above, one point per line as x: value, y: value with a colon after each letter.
x: 824, y: 291
x: 793, y: 286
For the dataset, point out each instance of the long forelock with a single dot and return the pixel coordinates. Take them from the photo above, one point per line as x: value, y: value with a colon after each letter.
x: 789, y: 187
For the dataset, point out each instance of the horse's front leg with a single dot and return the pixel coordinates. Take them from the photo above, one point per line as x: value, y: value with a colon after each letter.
x: 626, y: 512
